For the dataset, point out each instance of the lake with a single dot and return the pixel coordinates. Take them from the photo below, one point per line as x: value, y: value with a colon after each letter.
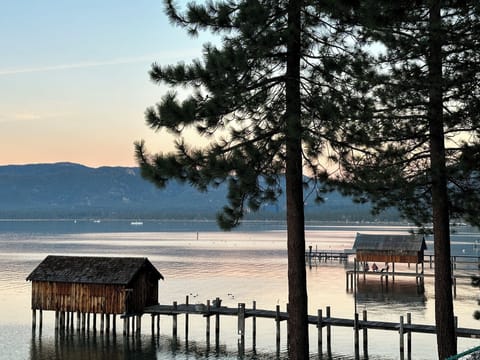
x: 242, y: 266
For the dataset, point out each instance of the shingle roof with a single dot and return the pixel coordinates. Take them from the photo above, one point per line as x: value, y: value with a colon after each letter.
x: 388, y: 242
x: 92, y: 270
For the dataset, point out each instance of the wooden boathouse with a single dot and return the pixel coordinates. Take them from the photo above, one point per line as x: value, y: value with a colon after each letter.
x: 386, y: 249
x: 93, y: 285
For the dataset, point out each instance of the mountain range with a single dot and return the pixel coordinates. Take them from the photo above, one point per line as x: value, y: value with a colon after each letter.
x: 68, y: 190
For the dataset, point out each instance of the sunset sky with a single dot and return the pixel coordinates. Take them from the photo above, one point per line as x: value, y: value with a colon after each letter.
x: 74, y: 81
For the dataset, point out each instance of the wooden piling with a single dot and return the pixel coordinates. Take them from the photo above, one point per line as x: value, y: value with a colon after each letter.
x: 241, y: 319
x: 62, y: 320
x: 319, y: 331
x: 56, y: 319
x: 241, y: 328
x: 329, y: 334
x: 254, y: 326
x: 139, y: 324
x: 78, y: 320
x: 102, y: 323
x: 153, y: 324
x: 454, y: 287
x: 174, y: 320
x: 83, y: 322
x: 409, y: 337
x: 186, y: 320
x: 365, y: 336
x: 217, y: 324
x: 277, y: 321
x: 356, y: 336
x: 402, y: 348
x: 34, y: 319
x: 107, y: 323
x: 208, y: 323
x: 67, y: 321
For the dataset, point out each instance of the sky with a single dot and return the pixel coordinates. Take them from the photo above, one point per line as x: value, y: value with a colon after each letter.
x: 74, y: 81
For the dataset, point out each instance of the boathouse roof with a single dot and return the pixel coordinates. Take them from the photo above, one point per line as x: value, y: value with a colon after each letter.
x: 389, y: 242
x: 91, y: 270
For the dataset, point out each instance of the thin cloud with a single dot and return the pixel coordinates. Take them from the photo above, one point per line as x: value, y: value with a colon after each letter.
x: 90, y: 64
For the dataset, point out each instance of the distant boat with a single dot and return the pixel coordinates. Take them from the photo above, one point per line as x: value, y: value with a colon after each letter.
x: 96, y: 221
x: 136, y: 223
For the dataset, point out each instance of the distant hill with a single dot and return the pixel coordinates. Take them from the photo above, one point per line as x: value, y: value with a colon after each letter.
x: 67, y: 190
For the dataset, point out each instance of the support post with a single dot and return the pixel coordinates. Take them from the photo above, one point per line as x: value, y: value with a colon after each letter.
x: 254, y: 326
x: 62, y: 321
x: 409, y: 337
x: 34, y: 319
x: 277, y: 320
x: 174, y: 321
x: 153, y: 324
x: 320, y: 332
x: 356, y: 337
x: 402, y: 349
x: 139, y: 324
x: 186, y: 319
x: 208, y: 323
x: 455, y: 320
x: 107, y: 323
x: 454, y: 287
x: 83, y: 321
x: 365, y: 336
x: 102, y: 323
x: 329, y: 334
x: 78, y: 320
x: 241, y: 329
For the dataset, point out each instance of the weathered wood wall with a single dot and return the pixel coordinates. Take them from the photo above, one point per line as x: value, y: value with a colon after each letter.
x: 413, y: 258
x: 145, y: 293
x: 86, y: 298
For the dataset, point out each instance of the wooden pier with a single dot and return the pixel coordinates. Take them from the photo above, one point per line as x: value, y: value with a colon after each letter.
x: 404, y: 327
x: 132, y: 325
x: 318, y: 256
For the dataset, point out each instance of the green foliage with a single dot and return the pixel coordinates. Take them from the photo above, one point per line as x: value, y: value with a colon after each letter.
x: 237, y: 99
x: 387, y: 156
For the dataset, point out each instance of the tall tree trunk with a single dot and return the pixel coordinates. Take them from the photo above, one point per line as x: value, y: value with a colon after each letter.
x: 444, y: 318
x: 297, y: 281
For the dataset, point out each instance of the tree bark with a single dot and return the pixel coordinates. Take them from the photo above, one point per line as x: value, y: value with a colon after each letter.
x: 297, y: 281
x: 444, y: 317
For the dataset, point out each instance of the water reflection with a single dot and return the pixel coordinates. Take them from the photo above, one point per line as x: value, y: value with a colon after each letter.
x: 382, y: 293
x: 111, y: 347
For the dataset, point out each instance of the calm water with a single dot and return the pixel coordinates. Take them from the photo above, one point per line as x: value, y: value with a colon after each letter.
x: 199, y: 261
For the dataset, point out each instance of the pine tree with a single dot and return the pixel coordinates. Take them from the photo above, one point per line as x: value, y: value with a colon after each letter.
x: 262, y: 98
x: 418, y: 149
